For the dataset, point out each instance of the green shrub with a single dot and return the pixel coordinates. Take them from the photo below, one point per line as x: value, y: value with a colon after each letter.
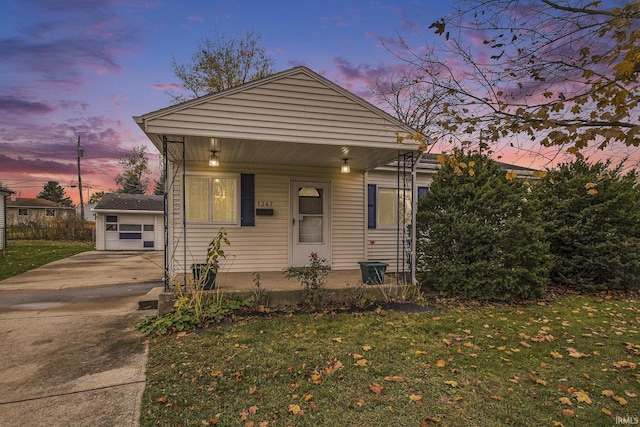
x: 592, y: 217
x: 480, y: 234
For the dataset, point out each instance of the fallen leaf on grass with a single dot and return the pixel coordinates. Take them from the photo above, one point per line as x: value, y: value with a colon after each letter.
x: 623, y: 364
x: 162, y: 399
x: 357, y: 356
x: 568, y: 413
x: 620, y: 400
x: 538, y: 381
x: 606, y: 411
x: 395, y: 379
x: 361, y: 362
x: 376, y: 388
x: 418, y: 352
x: 337, y: 340
x: 630, y: 394
x: 556, y: 355
x: 575, y: 353
x: 366, y: 347
x: 441, y: 363
x: 582, y: 397
x: 432, y: 419
x: 295, y: 410
x: 307, y: 397
x: 453, y: 384
x: 415, y: 397
x: 608, y: 393
x: 566, y: 401
x: 496, y: 397
x: 525, y: 344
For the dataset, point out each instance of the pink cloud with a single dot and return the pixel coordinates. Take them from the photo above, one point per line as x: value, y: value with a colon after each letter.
x: 167, y: 86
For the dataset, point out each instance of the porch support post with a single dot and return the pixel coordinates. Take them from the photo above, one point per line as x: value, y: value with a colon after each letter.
x: 166, y: 213
x: 414, y: 222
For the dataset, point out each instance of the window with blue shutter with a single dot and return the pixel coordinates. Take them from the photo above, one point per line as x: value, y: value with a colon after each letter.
x: 247, y: 200
x: 371, y: 205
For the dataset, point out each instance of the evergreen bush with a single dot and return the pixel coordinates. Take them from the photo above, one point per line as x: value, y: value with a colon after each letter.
x: 480, y: 233
x: 592, y: 222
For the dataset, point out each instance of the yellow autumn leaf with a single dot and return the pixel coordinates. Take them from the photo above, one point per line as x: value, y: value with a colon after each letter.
x: 620, y: 400
x: 446, y: 341
x: 307, y: 397
x: 357, y: 356
x: 556, y: 355
x: 582, y: 397
x: 558, y: 424
x: 295, y: 409
x: 496, y: 397
x: 337, y: 339
x: 566, y: 401
x: 361, y: 362
x: 525, y: 344
x: 510, y: 176
x: 441, y: 363
x: 415, y: 397
x: 395, y: 379
x: 453, y: 384
x: 366, y: 347
x: 608, y: 393
x: 419, y: 352
x: 630, y: 394
x: 442, y: 159
x: 606, y: 411
x: 568, y: 413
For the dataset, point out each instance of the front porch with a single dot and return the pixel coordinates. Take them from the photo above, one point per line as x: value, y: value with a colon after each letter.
x: 342, y: 286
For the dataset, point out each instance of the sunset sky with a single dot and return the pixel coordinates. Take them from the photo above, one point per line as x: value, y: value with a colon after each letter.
x: 81, y: 68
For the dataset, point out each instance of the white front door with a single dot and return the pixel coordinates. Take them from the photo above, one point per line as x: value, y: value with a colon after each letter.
x: 310, y: 213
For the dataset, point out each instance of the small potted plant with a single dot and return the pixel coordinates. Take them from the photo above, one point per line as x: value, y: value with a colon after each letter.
x: 205, y: 274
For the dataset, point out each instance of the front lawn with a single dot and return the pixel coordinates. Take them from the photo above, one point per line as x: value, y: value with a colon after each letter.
x: 25, y: 255
x: 571, y: 361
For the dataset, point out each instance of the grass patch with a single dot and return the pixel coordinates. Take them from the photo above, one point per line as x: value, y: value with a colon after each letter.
x: 25, y: 255
x: 570, y: 361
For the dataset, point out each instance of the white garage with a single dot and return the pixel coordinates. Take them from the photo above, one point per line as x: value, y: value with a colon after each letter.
x: 129, y: 222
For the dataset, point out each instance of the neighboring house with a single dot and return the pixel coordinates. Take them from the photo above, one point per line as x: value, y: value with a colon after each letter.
x: 289, y: 165
x: 22, y: 211
x: 129, y: 222
x: 4, y: 193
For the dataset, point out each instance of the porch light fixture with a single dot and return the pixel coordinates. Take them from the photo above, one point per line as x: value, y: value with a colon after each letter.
x: 346, y: 168
x: 214, y: 162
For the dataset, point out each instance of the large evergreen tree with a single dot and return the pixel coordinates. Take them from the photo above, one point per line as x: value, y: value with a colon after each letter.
x: 53, y: 191
x: 480, y: 234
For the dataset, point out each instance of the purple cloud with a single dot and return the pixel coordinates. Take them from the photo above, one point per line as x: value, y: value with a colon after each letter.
x: 10, y: 105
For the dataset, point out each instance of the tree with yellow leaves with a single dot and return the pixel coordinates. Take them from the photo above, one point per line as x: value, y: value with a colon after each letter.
x: 562, y: 74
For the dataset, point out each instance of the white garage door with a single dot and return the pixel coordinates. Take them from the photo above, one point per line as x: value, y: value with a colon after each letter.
x: 129, y: 232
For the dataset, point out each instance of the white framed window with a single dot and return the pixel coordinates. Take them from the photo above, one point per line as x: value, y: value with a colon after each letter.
x: 213, y: 199
x: 393, y: 205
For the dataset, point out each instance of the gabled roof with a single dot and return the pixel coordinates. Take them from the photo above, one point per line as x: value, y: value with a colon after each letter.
x: 23, y: 202
x: 5, y: 191
x: 130, y: 202
x: 293, y: 118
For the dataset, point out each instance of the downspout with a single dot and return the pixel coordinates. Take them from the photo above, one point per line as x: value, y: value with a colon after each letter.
x: 414, y: 211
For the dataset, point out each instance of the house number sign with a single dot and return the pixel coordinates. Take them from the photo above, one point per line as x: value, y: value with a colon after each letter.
x: 264, y: 204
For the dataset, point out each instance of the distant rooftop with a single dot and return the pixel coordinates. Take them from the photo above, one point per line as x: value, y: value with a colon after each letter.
x: 23, y: 202
x: 130, y: 202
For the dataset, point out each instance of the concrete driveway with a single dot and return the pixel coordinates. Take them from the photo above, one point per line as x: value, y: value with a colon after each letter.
x: 70, y: 355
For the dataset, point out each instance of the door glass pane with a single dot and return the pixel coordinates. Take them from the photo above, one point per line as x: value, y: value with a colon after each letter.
x: 310, y: 220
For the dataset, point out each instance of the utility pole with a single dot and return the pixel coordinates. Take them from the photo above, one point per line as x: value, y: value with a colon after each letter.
x: 80, y: 154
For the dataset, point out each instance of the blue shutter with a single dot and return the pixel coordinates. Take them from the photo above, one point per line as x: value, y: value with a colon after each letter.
x: 371, y: 205
x: 422, y: 191
x: 247, y: 200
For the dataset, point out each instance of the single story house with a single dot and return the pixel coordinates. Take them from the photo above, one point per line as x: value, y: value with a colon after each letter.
x: 129, y: 222
x: 4, y: 193
x: 21, y: 210
x: 288, y: 165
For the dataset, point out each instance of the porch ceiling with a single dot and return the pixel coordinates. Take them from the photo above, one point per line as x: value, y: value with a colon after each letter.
x: 291, y: 154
